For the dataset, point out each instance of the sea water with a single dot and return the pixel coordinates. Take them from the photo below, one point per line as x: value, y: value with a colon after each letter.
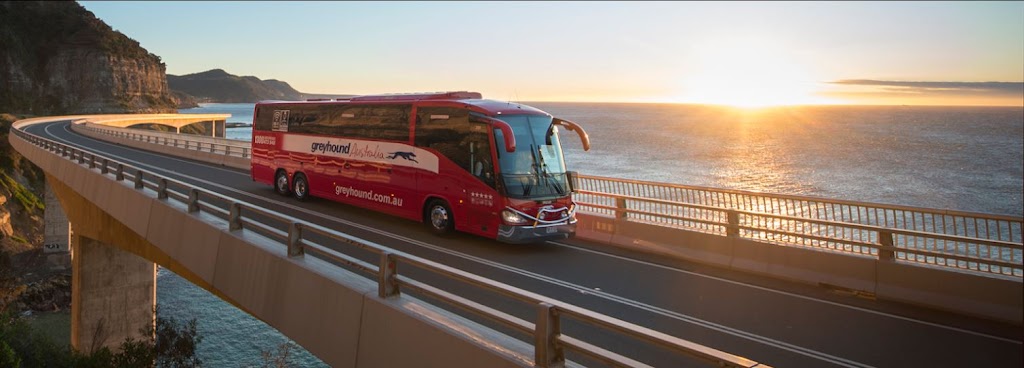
x: 962, y: 158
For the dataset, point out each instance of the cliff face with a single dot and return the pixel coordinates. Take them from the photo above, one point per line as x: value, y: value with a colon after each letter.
x: 21, y: 202
x: 60, y: 59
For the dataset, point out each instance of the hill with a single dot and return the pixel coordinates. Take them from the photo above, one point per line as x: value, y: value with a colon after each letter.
x: 218, y: 85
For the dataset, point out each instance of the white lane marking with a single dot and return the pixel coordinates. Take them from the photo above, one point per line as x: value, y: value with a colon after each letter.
x: 866, y: 310
x: 622, y: 300
x: 814, y: 354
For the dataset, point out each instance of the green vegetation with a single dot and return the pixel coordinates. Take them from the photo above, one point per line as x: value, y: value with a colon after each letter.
x: 173, y: 346
x: 28, y: 200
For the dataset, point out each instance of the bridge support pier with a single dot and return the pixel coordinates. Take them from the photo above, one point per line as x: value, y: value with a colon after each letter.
x: 56, y: 233
x: 113, y: 295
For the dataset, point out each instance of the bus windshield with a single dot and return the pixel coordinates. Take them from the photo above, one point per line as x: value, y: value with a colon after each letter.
x: 536, y: 169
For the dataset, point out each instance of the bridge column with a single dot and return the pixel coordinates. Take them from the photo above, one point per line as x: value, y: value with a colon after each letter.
x: 220, y: 128
x: 113, y: 294
x: 56, y: 233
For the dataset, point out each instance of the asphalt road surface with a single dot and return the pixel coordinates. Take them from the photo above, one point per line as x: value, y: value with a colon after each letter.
x: 770, y: 321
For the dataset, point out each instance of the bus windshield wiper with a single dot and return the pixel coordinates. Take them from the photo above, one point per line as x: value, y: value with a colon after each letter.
x: 543, y: 171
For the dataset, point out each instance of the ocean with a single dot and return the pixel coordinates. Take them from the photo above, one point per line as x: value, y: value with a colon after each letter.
x: 962, y: 158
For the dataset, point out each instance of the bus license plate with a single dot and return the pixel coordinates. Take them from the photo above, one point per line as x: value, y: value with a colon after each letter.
x: 551, y: 230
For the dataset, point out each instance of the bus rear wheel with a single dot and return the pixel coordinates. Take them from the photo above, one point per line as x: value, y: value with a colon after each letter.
x: 281, y: 183
x: 300, y: 187
x: 439, y: 217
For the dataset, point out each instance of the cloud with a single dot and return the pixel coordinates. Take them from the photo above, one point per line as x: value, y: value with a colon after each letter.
x: 992, y: 89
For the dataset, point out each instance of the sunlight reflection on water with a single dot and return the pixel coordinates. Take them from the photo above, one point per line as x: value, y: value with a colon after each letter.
x: 961, y: 158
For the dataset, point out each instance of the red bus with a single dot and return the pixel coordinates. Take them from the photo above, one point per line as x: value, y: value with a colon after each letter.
x: 451, y: 159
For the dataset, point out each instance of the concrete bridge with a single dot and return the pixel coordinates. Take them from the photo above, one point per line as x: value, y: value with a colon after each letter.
x: 652, y: 281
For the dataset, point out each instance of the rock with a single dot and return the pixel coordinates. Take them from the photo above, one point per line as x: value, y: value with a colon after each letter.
x: 75, y: 63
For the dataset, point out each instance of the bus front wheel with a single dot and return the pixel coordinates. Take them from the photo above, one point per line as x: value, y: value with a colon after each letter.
x: 281, y: 183
x: 300, y: 187
x: 439, y: 217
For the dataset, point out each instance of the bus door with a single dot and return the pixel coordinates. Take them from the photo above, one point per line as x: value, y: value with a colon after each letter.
x: 467, y: 175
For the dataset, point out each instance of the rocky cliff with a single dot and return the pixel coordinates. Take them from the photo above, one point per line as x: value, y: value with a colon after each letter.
x: 21, y: 202
x: 59, y: 58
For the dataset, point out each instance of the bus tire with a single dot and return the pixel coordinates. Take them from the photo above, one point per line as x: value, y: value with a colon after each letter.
x: 300, y: 187
x: 438, y: 216
x: 281, y: 183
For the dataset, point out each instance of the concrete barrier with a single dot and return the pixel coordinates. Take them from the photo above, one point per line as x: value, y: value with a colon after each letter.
x: 993, y: 297
x: 241, y: 163
x: 333, y: 313
x: 990, y: 297
x: 982, y: 296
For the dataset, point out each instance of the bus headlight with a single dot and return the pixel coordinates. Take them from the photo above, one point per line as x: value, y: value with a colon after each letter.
x: 513, y: 218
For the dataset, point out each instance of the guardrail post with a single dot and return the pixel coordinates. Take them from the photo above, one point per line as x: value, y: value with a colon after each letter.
x: 387, y: 277
x: 620, y: 208
x: 120, y: 172
x: 81, y: 157
x: 193, y: 200
x: 235, y: 218
x: 105, y: 169
x: 161, y: 193
x: 733, y: 228
x: 92, y: 161
x: 886, y: 252
x: 295, y: 247
x: 213, y: 148
x: 138, y: 179
x: 547, y: 353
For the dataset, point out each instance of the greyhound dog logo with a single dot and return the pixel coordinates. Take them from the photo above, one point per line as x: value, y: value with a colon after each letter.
x: 406, y: 155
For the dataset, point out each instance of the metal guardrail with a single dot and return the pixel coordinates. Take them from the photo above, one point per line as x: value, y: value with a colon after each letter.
x: 986, y: 243
x: 550, y: 344
x: 227, y: 147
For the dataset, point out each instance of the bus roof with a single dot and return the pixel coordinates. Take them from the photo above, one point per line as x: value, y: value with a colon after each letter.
x: 474, y: 100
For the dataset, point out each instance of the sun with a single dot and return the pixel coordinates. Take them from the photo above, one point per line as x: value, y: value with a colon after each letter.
x: 748, y: 72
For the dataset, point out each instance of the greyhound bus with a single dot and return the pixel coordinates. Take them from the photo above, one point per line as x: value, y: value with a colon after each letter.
x: 450, y: 159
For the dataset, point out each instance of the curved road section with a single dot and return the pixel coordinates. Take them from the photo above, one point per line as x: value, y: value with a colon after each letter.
x: 776, y: 323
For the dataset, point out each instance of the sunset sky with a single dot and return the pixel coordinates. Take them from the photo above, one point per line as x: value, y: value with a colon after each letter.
x: 732, y: 53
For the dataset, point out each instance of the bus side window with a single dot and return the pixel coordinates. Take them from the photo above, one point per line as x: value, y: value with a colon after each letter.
x: 480, y: 154
x: 448, y: 130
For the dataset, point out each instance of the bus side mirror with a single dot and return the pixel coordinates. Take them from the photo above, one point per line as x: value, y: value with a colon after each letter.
x: 584, y: 138
x: 506, y: 132
x: 572, y: 176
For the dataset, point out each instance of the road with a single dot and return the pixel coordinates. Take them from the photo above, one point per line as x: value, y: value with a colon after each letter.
x: 770, y: 321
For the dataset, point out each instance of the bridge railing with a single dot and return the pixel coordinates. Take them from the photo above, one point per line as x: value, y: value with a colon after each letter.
x: 227, y: 147
x: 300, y: 237
x: 985, y: 243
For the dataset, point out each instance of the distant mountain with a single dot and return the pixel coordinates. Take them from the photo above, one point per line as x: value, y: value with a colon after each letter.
x: 218, y: 85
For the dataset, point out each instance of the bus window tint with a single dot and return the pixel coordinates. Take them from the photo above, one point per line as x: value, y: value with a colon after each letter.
x: 263, y: 118
x: 536, y: 169
x: 451, y: 133
x: 380, y: 122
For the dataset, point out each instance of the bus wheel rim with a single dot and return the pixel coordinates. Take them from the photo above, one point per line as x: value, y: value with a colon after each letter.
x: 439, y: 217
x: 282, y: 182
x: 300, y: 188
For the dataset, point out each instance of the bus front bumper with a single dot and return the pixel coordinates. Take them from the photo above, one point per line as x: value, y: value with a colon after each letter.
x: 535, y: 234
